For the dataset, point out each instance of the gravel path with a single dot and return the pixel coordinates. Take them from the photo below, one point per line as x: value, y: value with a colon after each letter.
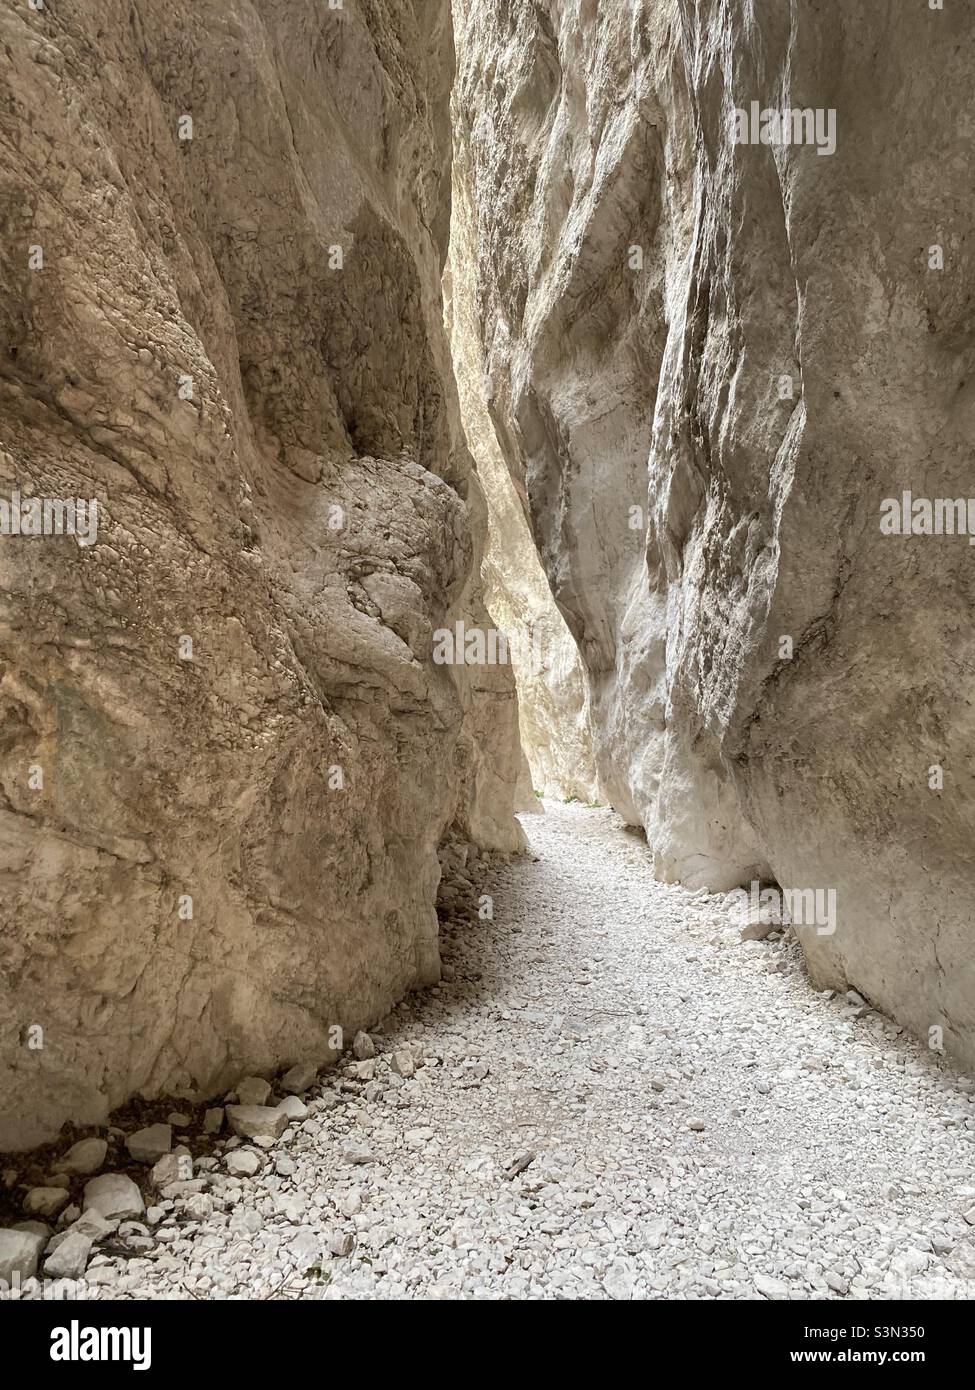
x: 703, y: 1124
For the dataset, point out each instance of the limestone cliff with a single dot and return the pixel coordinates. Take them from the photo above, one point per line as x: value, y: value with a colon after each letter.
x: 228, y: 757
x: 714, y: 357
x: 553, y: 691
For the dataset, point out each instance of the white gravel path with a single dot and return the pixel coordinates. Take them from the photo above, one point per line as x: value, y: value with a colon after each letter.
x: 593, y: 1022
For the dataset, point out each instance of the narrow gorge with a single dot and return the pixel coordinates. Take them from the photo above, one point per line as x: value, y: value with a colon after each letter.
x: 486, y: 656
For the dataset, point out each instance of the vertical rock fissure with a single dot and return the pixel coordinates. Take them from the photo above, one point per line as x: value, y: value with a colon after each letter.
x: 553, y: 691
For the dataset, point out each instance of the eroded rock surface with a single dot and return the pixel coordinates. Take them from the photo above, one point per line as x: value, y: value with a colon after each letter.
x: 223, y: 231
x: 553, y: 692
x: 713, y: 361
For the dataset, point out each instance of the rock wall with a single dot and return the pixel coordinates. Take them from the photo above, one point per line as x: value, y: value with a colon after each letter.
x: 227, y: 756
x: 553, y: 689
x: 713, y: 361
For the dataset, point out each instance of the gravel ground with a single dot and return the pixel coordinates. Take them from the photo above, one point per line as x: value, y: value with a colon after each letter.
x: 702, y: 1124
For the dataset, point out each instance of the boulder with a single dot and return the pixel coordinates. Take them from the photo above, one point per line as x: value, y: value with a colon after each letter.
x: 213, y: 1120
x: 251, y: 1121
x: 253, y: 1090
x: 20, y: 1252
x: 70, y: 1259
x: 85, y: 1157
x: 300, y: 1077
x: 149, y: 1145
x: 114, y: 1197
x: 45, y: 1201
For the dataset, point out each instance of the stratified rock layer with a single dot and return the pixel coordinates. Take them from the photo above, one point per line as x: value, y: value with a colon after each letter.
x: 713, y: 361
x: 227, y: 755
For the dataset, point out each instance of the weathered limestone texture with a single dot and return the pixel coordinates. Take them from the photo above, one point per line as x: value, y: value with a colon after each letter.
x: 235, y: 344
x: 712, y: 362
x: 553, y: 693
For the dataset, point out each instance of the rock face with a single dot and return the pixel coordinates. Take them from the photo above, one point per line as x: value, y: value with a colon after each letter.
x: 712, y: 362
x: 553, y: 693
x: 228, y: 755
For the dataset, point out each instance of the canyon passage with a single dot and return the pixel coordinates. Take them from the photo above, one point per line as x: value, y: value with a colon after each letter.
x: 490, y: 787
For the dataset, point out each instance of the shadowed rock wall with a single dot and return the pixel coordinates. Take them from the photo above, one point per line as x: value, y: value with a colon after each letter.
x: 233, y: 343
